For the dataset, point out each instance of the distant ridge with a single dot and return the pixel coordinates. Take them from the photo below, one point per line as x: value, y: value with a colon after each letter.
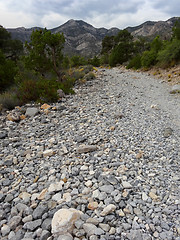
x: 84, y: 39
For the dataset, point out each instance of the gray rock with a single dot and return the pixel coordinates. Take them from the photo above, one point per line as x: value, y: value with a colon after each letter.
x: 32, y: 225
x: 86, y: 148
x: 44, y: 235
x: 39, y: 211
x: 31, y: 111
x: 14, y: 222
x: 3, y: 134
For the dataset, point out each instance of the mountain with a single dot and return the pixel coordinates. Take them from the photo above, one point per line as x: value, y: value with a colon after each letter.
x: 84, y: 39
x: 151, y: 29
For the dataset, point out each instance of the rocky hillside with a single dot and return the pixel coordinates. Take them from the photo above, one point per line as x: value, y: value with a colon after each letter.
x: 152, y: 29
x: 84, y: 39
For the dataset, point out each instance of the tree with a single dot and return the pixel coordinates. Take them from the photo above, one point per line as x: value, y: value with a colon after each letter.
x: 123, y: 48
x: 12, y: 48
x: 176, y: 30
x: 7, y: 72
x: 45, y: 52
x: 107, y: 44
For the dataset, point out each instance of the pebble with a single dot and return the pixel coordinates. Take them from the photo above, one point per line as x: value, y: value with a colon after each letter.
x: 104, y: 153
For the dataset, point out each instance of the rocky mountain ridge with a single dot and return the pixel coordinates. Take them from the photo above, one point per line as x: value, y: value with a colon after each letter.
x: 84, y: 39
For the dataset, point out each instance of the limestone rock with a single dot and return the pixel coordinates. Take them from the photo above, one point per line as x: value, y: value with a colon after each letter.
x: 86, y: 148
x: 63, y: 221
x: 110, y: 208
x: 31, y: 112
x: 48, y: 153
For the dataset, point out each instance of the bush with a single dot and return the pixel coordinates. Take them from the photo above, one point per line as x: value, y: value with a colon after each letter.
x: 34, y: 87
x: 135, y: 62
x: 171, y: 53
x: 77, y: 61
x: 8, y: 100
x: 90, y: 76
x: 95, y: 61
x: 148, y: 58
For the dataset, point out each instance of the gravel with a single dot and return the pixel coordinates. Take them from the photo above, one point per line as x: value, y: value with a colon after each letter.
x: 111, y: 151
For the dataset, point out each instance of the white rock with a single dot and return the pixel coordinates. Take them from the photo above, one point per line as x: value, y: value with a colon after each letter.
x: 126, y: 184
x: 144, y: 197
x: 67, y: 197
x: 55, y: 187
x: 110, y: 208
x: 88, y: 183
x: 86, y: 148
x: 48, y: 153
x: 63, y: 221
x: 95, y: 193
x: 5, y: 230
x: 57, y: 197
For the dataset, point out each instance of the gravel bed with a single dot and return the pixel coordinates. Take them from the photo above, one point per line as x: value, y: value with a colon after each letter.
x: 112, y: 151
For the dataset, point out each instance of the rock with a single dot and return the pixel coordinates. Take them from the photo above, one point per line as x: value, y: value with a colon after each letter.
x: 110, y: 208
x: 41, y: 196
x: 39, y: 211
x: 63, y: 221
x: 45, y: 106
x: 167, y: 132
x: 14, y: 222
x: 93, y: 205
x: 60, y: 93
x: 144, y: 197
x: 126, y: 185
x: 3, y: 134
x: 5, y: 230
x: 48, y: 153
x: 86, y: 148
x: 25, y: 196
x: 14, y: 117
x: 31, y: 112
x: 91, y: 229
x: 44, y: 235
x: 32, y: 225
x: 153, y: 196
x: 55, y: 187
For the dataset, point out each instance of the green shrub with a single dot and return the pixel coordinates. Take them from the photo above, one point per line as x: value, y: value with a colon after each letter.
x: 90, y: 76
x: 170, y: 53
x: 77, y: 61
x: 135, y: 62
x: 148, y: 58
x: 95, y: 61
x: 34, y: 87
x: 8, y: 100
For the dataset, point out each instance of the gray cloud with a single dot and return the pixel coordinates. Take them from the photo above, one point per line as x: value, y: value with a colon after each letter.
x: 100, y: 13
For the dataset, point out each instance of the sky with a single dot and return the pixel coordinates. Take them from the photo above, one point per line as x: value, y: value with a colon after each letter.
x: 99, y: 13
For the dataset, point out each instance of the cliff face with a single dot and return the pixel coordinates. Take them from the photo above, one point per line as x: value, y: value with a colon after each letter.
x: 84, y: 39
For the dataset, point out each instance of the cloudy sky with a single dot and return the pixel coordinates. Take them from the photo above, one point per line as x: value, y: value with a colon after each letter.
x: 99, y: 13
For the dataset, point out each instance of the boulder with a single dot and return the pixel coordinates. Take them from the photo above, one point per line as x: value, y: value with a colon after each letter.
x: 63, y: 221
x: 31, y: 112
